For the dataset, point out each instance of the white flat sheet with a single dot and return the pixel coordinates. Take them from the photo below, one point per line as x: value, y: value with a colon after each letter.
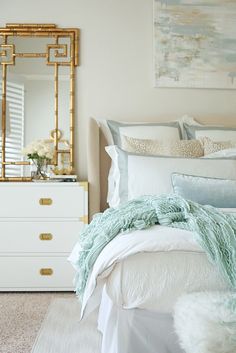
x: 154, y: 281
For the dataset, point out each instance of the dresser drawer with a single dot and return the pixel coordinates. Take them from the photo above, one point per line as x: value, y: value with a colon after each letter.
x: 36, y: 273
x: 39, y: 237
x: 52, y: 200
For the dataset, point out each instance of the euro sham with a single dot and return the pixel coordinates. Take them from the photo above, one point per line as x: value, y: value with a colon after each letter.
x: 153, y: 131
x: 215, y: 133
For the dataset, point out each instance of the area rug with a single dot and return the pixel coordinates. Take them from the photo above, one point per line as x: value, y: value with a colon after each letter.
x: 62, y: 332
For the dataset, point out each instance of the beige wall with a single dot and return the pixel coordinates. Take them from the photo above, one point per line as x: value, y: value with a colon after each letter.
x: 115, y: 78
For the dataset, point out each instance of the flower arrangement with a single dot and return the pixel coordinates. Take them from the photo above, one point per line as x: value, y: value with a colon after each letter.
x: 41, y: 153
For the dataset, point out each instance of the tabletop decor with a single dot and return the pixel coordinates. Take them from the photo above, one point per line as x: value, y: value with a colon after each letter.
x: 41, y: 154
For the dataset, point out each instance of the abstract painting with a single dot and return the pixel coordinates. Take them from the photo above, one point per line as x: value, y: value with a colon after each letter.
x: 195, y: 43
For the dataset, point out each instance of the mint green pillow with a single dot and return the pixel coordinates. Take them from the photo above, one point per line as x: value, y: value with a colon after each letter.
x: 216, y: 192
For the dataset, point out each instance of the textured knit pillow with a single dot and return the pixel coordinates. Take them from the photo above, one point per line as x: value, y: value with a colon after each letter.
x: 182, y: 148
x: 210, y: 146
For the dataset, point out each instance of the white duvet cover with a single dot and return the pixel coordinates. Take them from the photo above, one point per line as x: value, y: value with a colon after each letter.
x: 149, y: 269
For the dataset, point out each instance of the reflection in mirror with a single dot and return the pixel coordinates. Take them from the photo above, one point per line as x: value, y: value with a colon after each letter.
x: 30, y: 102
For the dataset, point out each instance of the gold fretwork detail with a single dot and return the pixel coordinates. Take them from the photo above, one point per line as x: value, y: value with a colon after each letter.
x: 58, y: 51
x: 16, y: 163
x: 16, y: 179
x: 84, y: 219
x: 30, y: 25
x: 63, y: 52
x: 84, y: 184
x: 7, y: 54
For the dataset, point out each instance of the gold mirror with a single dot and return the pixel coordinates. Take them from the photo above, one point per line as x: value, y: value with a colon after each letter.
x: 37, y: 66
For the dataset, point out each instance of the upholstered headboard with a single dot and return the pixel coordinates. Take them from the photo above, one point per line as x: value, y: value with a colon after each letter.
x: 98, y: 169
x: 99, y: 162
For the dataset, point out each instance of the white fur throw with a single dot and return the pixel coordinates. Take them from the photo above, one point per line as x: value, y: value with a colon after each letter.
x: 206, y: 322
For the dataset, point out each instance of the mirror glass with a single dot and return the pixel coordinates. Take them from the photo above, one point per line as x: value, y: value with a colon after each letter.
x: 30, y: 110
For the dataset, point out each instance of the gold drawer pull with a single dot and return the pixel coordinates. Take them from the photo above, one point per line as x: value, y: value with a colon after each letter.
x: 84, y: 219
x: 46, y: 271
x: 45, y: 202
x: 45, y: 236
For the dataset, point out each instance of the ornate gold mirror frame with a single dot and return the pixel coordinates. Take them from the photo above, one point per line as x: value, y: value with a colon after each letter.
x: 53, y: 53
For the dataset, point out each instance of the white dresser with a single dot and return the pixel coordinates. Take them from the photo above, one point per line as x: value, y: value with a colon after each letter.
x: 39, y: 225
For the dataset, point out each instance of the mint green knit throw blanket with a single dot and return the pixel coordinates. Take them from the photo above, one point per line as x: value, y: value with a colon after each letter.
x: 214, y: 231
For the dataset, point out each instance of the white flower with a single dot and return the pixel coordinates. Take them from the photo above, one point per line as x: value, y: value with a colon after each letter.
x: 49, y: 155
x: 41, y: 147
x: 41, y: 152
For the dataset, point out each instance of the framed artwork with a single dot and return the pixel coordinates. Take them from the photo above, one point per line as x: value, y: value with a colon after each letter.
x: 195, y: 43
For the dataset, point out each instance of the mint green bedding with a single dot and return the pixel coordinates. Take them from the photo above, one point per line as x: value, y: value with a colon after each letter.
x: 214, y: 230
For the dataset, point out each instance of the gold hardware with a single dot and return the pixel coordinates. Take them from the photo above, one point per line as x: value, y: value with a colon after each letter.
x: 45, y: 236
x: 45, y: 202
x: 56, y: 54
x: 84, y: 184
x: 46, y: 271
x: 84, y: 219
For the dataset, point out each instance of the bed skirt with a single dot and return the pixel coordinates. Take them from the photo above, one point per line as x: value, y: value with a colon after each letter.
x: 135, y: 330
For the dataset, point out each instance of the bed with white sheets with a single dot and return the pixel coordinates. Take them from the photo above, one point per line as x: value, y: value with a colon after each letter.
x: 138, y: 276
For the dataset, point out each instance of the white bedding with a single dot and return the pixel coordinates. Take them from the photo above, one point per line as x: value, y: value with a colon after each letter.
x: 149, y: 269
x: 132, y: 331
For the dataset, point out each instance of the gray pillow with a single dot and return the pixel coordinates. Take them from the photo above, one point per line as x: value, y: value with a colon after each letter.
x: 216, y: 192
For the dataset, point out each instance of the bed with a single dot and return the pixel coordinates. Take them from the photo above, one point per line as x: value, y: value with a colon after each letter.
x: 139, y: 276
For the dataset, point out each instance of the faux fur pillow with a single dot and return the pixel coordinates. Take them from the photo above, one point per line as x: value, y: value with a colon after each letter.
x: 210, y: 146
x: 182, y: 148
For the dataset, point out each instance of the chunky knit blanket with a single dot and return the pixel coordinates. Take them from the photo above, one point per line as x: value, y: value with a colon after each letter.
x: 214, y: 230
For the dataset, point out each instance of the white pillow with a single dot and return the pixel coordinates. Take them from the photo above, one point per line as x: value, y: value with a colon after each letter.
x: 136, y: 175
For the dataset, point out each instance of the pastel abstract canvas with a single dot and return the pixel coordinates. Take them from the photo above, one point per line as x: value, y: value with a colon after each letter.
x: 195, y: 43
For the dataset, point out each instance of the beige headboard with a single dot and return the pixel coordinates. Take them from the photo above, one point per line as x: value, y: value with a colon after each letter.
x: 98, y: 168
x: 99, y: 162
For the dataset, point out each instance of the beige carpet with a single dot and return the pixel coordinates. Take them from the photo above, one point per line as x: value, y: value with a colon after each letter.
x: 62, y: 332
x: 21, y: 316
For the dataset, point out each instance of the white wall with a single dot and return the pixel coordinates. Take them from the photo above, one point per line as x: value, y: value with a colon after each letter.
x: 115, y: 78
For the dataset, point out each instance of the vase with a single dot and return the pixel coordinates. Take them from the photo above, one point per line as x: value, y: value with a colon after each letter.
x: 40, y: 169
